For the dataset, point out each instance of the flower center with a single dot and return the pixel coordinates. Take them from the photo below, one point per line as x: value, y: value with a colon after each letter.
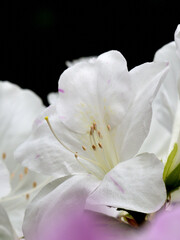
x: 101, y: 155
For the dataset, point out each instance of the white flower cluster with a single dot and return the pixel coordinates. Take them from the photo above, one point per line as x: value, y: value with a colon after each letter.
x: 102, y: 161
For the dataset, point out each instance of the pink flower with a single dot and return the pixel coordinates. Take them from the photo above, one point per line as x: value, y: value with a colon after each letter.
x: 166, y: 226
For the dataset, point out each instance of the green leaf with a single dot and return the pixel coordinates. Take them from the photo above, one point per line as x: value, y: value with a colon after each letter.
x: 173, y: 180
x: 170, y: 161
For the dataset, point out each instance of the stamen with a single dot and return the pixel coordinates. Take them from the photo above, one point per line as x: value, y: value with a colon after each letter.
x: 27, y: 196
x: 25, y: 170
x: 100, y: 145
x: 34, y: 184
x: 47, y: 120
x: 94, y: 147
x: 109, y: 127
x: 4, y: 156
x: 84, y: 148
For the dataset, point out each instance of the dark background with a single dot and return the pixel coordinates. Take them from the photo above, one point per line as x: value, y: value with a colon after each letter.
x: 38, y: 37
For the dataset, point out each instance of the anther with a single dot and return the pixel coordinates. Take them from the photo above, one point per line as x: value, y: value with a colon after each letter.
x: 21, y: 176
x: 27, y: 196
x: 25, y: 170
x: 100, y: 145
x: 76, y: 155
x: 34, y: 184
x: 84, y: 148
x: 4, y: 156
x: 91, y: 130
x: 108, y: 127
x: 95, y: 126
x: 94, y: 147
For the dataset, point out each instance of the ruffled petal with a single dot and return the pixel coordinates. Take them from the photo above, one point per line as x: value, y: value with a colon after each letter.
x: 45, y: 215
x: 82, y: 59
x: 177, y: 40
x: 135, y: 184
x: 165, y: 104
x: 19, y: 108
x: 95, y: 91
x: 165, y: 120
x: 135, y: 126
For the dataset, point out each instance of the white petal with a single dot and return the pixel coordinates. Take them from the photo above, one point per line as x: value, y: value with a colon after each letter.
x: 6, y: 230
x: 79, y: 60
x: 53, y: 97
x: 18, y: 110
x: 135, y: 184
x: 95, y: 91
x: 5, y: 186
x: 165, y: 104
x: 177, y: 40
x: 135, y: 126
x: 165, y: 121
x: 48, y: 210
x: 157, y: 141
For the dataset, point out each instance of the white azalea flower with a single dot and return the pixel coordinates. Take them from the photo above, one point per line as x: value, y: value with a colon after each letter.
x: 97, y: 127
x: 18, y: 185
x: 166, y: 117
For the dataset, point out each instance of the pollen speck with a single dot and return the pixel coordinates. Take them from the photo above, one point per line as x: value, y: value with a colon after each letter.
x: 94, y: 147
x: 84, y: 148
x: 108, y: 127
x: 100, y: 145
x: 27, y: 196
x: 4, y: 156
x: 25, y: 170
x: 34, y: 184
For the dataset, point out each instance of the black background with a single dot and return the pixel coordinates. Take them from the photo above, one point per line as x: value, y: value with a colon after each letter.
x: 38, y: 37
